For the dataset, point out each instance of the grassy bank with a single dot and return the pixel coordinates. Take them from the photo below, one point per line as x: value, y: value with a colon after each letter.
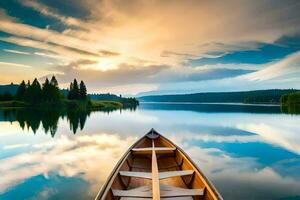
x: 12, y: 104
x: 66, y: 104
x: 92, y: 105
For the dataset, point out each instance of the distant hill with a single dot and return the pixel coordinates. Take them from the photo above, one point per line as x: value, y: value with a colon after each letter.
x: 11, y: 88
x: 257, y: 96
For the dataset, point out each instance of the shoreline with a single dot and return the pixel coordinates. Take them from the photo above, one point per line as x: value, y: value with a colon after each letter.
x: 210, y: 103
x: 67, y: 105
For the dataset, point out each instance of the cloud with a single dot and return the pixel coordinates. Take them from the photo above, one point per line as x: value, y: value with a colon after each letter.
x: 15, y: 146
x: 283, y: 69
x: 45, y: 10
x: 281, y: 74
x: 125, y: 74
x: 163, y: 33
x: 49, y: 55
x: 16, y: 52
x: 148, y: 76
x: 157, y: 29
x: 108, y: 53
x: 14, y: 65
x: 67, y: 52
x: 213, y: 74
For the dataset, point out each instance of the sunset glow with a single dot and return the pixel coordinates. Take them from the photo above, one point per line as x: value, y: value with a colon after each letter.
x: 180, y: 46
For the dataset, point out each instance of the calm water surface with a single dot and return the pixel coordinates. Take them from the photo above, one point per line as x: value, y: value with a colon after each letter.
x: 248, y: 152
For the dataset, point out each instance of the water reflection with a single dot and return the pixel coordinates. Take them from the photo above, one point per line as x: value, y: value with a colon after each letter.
x: 48, y: 119
x: 83, y: 161
x: 291, y: 109
x: 252, y: 155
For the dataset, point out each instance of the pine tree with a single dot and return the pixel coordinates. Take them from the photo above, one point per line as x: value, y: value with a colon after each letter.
x: 20, y: 95
x: 28, y: 84
x: 27, y: 95
x: 82, y: 90
x: 46, y: 90
x: 34, y: 92
x: 70, y: 94
x: 54, y: 90
x: 76, y: 90
x: 54, y: 82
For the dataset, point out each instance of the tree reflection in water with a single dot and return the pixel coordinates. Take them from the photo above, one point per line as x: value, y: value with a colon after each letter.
x: 48, y: 118
x: 291, y: 109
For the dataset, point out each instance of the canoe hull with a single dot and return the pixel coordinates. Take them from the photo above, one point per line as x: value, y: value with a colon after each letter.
x: 178, y: 177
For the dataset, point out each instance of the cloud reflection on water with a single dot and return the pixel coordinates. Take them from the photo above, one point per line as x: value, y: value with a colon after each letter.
x: 216, y: 142
x: 88, y: 157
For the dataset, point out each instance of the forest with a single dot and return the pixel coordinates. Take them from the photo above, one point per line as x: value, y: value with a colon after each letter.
x: 257, y: 97
x: 49, y: 95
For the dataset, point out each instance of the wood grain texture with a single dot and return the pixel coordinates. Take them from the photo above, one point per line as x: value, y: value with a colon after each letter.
x: 155, y: 176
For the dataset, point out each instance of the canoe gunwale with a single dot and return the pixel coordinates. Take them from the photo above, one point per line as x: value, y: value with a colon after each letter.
x: 207, y: 181
x: 105, y: 189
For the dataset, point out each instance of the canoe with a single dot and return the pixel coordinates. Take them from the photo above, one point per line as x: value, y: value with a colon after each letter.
x: 155, y: 168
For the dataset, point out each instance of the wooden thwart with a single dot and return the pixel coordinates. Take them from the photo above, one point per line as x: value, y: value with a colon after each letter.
x: 168, y: 198
x: 165, y: 191
x: 158, y: 150
x: 161, y: 175
x: 146, y: 175
x: 170, y: 174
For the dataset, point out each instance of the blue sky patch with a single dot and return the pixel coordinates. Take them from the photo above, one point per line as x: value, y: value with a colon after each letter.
x: 263, y: 54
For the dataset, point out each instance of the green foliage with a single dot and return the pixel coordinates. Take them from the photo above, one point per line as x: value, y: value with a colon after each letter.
x: 20, y: 95
x: 70, y: 94
x: 104, y: 104
x: 51, y: 92
x: 290, y: 99
x: 290, y: 103
x: 77, y: 91
x: 33, y: 93
x: 6, y: 97
x: 290, y: 109
x: 259, y: 96
x: 127, y: 102
x: 46, y: 90
x: 284, y: 99
x: 82, y: 90
x: 12, y: 104
x: 50, y: 96
x: 76, y: 94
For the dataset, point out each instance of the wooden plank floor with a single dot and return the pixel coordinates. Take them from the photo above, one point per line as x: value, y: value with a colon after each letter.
x: 141, y: 164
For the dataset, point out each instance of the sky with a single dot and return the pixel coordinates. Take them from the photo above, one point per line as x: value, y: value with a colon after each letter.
x: 142, y: 47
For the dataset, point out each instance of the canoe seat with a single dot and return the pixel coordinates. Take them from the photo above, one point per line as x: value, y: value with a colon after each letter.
x: 168, y: 198
x: 165, y: 192
x: 146, y: 175
x: 158, y: 150
x: 170, y: 174
x: 162, y: 175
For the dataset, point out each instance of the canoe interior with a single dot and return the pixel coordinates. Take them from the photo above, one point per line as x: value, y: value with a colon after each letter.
x: 140, y: 161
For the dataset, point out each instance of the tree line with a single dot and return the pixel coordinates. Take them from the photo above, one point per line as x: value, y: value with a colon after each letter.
x: 258, y: 96
x: 35, y: 93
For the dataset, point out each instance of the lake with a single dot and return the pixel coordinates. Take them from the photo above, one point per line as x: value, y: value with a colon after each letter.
x: 247, y: 151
